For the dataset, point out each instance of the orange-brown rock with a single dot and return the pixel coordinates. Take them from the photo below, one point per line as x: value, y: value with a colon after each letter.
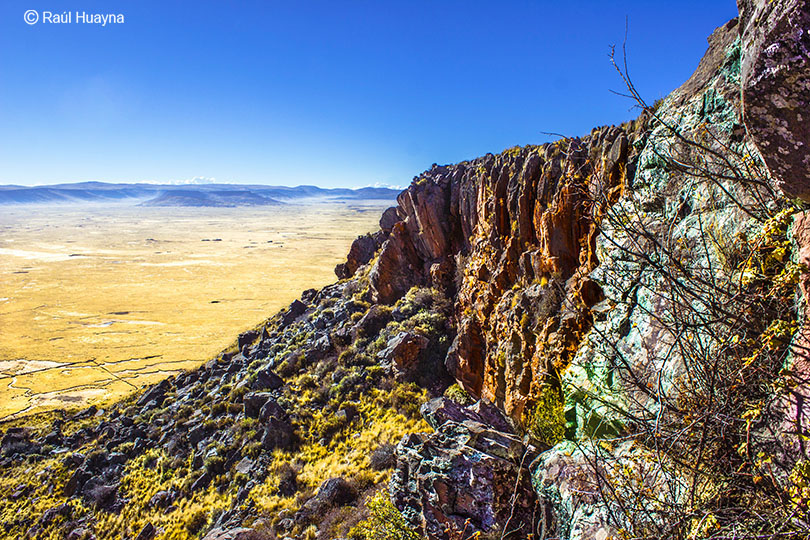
x: 513, y: 236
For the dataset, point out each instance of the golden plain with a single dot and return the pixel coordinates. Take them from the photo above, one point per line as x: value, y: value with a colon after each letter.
x: 96, y: 301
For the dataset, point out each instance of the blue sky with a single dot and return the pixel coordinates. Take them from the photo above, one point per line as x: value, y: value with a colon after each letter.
x: 347, y: 93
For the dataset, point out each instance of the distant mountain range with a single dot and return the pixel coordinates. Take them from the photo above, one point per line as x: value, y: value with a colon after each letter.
x: 221, y: 195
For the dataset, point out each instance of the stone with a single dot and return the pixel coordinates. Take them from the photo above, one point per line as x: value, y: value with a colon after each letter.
x: 463, y: 479
x: 239, y: 533
x: 76, y: 481
x: 201, y: 482
x: 154, y: 394
x: 277, y: 434
x: 403, y: 353
x: 247, y: 338
x: 266, y: 379
x: 147, y: 533
x: 272, y: 410
x: 775, y: 80
x: 360, y: 253
x: 253, y: 402
x: 389, y: 218
x: 296, y: 309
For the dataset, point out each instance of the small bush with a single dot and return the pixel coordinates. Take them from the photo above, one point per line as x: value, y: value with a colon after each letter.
x: 196, y: 521
x: 545, y: 421
x: 459, y: 395
x: 385, y: 522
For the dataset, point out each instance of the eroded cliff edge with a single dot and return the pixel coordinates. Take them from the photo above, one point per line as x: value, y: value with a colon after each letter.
x: 605, y: 337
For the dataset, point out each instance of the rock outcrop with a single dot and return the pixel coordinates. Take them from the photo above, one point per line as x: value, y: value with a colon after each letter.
x: 468, y: 477
x: 776, y: 87
x: 512, y: 236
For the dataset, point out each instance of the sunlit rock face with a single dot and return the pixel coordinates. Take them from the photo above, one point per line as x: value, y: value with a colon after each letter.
x: 512, y: 235
x: 776, y: 87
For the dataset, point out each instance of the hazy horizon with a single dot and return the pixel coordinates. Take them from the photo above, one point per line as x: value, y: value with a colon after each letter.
x: 213, y: 182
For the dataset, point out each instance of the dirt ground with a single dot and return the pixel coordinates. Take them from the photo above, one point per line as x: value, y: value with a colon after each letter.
x: 96, y: 301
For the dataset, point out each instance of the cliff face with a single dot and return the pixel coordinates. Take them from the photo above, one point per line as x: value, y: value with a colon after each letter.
x: 512, y: 238
x: 605, y: 336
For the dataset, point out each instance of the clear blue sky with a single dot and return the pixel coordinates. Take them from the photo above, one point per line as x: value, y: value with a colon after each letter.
x: 332, y: 93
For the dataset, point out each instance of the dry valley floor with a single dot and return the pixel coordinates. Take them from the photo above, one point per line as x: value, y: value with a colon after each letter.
x: 96, y: 301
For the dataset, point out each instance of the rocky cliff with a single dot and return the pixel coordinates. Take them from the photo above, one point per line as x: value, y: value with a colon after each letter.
x: 601, y: 337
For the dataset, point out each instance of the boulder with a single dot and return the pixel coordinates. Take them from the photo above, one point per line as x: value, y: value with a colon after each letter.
x: 360, y: 253
x: 201, y: 482
x: 254, y: 401
x: 277, y: 434
x: 272, y: 411
x: 266, y: 379
x: 389, y: 218
x: 154, y: 394
x: 465, y: 478
x: 336, y: 492
x: 296, y: 309
x: 247, y: 338
x: 775, y: 75
x: 403, y: 353
x: 240, y: 533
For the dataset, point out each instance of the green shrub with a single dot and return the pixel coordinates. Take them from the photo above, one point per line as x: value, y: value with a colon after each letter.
x: 459, y: 395
x: 385, y: 522
x: 196, y: 521
x: 545, y: 421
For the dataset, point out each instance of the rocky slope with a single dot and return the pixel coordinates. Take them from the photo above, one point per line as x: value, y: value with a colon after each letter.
x: 605, y: 337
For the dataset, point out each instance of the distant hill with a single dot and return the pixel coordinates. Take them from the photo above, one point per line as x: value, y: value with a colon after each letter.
x: 210, y: 198
x: 223, y: 195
